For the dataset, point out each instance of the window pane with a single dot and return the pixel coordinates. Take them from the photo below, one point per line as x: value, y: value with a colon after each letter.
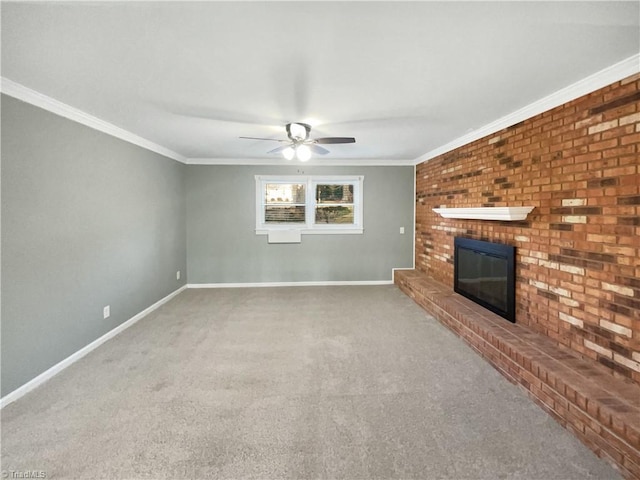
x: 284, y: 214
x: 332, y: 194
x: 334, y: 214
x: 288, y: 193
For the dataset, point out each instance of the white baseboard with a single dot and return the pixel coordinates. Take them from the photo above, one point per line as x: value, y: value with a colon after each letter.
x: 290, y: 284
x: 46, y: 375
x: 393, y: 270
x: 58, y: 367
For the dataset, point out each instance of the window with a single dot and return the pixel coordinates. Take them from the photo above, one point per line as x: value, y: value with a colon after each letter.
x: 312, y: 204
x: 284, y: 203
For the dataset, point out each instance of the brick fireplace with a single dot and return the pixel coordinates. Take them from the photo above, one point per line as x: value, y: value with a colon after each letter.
x: 578, y: 252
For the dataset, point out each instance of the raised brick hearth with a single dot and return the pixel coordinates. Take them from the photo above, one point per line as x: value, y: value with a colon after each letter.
x: 583, y: 396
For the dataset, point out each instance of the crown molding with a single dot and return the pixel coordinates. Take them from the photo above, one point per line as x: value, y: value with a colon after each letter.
x: 314, y: 162
x: 604, y: 77
x: 607, y: 76
x: 25, y: 94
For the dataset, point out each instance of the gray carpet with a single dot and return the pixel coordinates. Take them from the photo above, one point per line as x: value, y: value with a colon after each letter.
x: 317, y: 382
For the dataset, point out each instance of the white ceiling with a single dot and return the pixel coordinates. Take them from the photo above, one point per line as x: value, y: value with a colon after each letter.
x: 403, y: 78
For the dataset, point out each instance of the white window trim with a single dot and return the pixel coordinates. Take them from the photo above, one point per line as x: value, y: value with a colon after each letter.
x: 309, y: 227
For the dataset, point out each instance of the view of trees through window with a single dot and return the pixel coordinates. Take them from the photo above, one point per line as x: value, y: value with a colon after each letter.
x: 285, y: 203
x: 334, y: 203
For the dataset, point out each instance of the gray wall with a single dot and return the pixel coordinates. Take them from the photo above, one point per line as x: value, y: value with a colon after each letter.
x: 87, y: 221
x: 223, y: 246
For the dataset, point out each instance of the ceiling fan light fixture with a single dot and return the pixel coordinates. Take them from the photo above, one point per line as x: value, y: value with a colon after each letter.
x: 288, y: 153
x: 299, y: 145
x: 303, y: 153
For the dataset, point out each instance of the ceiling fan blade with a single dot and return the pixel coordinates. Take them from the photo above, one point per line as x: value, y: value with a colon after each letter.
x: 328, y: 140
x: 270, y: 139
x: 279, y: 149
x: 318, y: 149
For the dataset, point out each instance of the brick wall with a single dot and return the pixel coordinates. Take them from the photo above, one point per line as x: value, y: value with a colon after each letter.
x: 578, y: 252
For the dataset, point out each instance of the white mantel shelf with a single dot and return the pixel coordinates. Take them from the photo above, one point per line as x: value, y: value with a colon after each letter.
x: 505, y: 214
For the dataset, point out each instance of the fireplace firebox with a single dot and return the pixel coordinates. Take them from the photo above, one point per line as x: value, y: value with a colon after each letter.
x: 485, y: 273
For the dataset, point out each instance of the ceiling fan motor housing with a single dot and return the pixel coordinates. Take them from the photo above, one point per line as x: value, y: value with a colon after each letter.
x: 298, y: 132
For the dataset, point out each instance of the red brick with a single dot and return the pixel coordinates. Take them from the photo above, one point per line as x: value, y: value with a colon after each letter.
x: 559, y: 160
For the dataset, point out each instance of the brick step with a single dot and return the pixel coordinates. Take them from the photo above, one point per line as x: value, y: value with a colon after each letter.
x: 601, y: 410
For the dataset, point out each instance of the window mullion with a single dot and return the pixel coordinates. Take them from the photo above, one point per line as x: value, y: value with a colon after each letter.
x: 310, y: 208
x: 263, y: 202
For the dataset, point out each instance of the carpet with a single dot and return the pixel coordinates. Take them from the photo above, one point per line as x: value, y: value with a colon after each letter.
x: 350, y: 382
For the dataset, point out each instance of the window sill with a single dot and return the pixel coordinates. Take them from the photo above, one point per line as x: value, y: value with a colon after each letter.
x: 315, y: 231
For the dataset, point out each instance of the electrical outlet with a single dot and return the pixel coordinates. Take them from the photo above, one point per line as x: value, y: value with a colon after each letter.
x: 401, y: 230
x: 106, y: 311
x: 178, y: 275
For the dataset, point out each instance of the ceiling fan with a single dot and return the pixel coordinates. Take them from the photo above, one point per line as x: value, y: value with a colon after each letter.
x: 299, y: 144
